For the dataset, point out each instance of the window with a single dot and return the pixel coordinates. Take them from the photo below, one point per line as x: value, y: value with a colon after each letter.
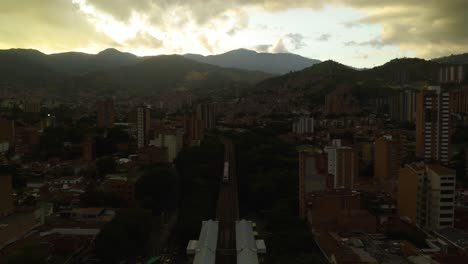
x: 446, y: 192
x: 446, y: 208
x: 446, y: 184
x: 446, y: 200
x: 446, y: 223
x: 446, y: 215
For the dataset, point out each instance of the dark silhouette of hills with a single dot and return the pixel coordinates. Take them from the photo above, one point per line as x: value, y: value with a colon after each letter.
x: 453, y: 59
x: 279, y: 63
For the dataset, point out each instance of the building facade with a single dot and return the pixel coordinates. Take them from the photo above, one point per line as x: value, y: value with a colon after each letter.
x: 105, y: 113
x: 427, y: 195
x: 343, y: 164
x: 6, y: 195
x: 388, y: 158
x: 313, y: 174
x: 304, y: 125
x: 143, y: 125
x: 433, y: 128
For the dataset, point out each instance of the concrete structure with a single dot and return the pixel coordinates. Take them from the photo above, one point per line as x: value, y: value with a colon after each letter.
x: 433, y: 129
x: 459, y: 100
x: 105, y: 113
x: 388, y: 155
x: 203, y: 250
x: 430, y: 189
x: 304, y: 125
x: 143, y: 122
x: 6, y: 195
x: 313, y: 172
x: 248, y: 249
x: 343, y: 164
x: 172, y: 141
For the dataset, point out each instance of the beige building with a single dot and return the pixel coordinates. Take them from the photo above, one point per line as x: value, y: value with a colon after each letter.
x: 387, y: 156
x: 343, y: 164
x: 427, y: 194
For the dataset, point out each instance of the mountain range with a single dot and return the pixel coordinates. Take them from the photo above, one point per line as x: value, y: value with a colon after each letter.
x: 277, y: 63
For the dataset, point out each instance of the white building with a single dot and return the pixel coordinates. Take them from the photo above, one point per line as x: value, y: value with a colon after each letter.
x: 436, y: 194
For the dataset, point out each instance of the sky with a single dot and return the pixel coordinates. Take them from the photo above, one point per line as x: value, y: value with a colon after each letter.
x: 360, y: 33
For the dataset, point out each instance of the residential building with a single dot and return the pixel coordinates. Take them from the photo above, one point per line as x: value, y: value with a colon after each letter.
x: 433, y: 128
x: 143, y: 126
x: 173, y: 141
x: 338, y: 209
x: 343, y: 164
x: 207, y: 114
x: 459, y: 100
x: 313, y: 172
x: 6, y: 195
x: 105, y: 113
x: 453, y: 73
x: 193, y: 129
x: 121, y: 185
x: 403, y: 106
x: 88, y: 146
x: 387, y: 156
x: 304, y: 125
x: 430, y: 189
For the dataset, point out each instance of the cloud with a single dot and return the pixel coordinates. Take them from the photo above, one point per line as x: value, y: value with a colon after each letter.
x: 144, y: 40
x: 428, y: 27
x: 375, y: 43
x: 206, y: 44
x: 324, y: 37
x: 263, y: 47
x: 361, y: 56
x: 279, y: 47
x: 297, y: 40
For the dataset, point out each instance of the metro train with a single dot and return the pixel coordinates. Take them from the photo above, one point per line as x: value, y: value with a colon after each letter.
x: 226, y: 172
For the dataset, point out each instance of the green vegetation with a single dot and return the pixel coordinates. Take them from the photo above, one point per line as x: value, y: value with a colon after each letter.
x: 199, y: 169
x: 125, y: 237
x: 157, y: 188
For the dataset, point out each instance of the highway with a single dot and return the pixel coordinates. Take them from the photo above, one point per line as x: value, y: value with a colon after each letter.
x: 227, y: 212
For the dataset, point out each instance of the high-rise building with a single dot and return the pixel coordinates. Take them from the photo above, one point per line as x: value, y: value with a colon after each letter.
x: 207, y: 114
x: 453, y: 73
x: 459, y: 100
x: 343, y: 164
x: 313, y: 172
x: 433, y: 129
x: 304, y: 125
x: 387, y: 156
x: 6, y: 195
x: 193, y: 129
x: 143, y: 124
x: 88, y: 148
x: 173, y: 141
x: 105, y: 113
x: 427, y: 195
x: 402, y: 107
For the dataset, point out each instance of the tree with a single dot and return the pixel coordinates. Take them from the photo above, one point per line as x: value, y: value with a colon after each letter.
x: 105, y: 166
x: 157, y: 188
x: 126, y: 236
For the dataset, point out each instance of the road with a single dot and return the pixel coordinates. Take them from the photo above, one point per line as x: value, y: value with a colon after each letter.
x: 227, y: 212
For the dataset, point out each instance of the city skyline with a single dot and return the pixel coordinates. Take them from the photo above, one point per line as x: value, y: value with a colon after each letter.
x: 357, y: 33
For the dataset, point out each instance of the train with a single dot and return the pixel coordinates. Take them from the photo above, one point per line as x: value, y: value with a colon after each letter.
x: 226, y: 172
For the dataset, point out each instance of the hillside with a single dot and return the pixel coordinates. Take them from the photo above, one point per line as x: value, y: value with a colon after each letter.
x: 169, y: 72
x: 280, y: 63
x: 453, y: 59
